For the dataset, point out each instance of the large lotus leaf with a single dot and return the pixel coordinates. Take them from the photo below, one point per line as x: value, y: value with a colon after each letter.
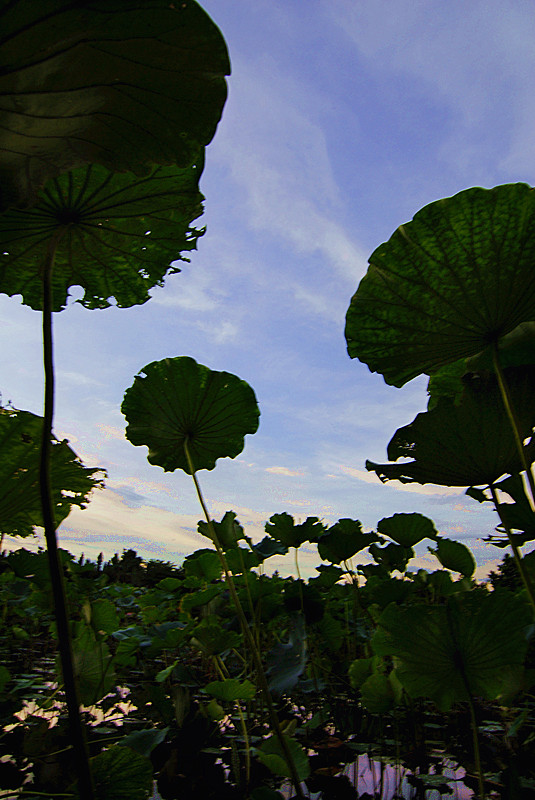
x: 119, y: 83
x: 471, y: 646
x: 204, y: 564
x: 407, y: 529
x: 392, y: 556
x: 464, y: 444
x: 455, y: 556
x: 272, y: 755
x: 282, y: 527
x: 456, y: 278
x: 120, y: 773
x: 515, y: 349
x: 518, y: 515
x: 118, y: 235
x: 177, y: 401
x: 286, y: 662
x: 228, y: 531
x: 240, y: 560
x: 93, y: 666
x: 212, y: 639
x: 343, y: 540
x: 20, y: 502
x: 269, y: 547
x: 377, y: 694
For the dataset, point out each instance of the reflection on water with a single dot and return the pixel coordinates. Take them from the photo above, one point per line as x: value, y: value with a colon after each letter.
x: 369, y: 777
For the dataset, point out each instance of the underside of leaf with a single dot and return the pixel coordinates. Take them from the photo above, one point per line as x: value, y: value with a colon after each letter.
x: 177, y: 401
x: 123, y: 84
x: 456, y: 278
x: 468, y: 443
x: 116, y: 235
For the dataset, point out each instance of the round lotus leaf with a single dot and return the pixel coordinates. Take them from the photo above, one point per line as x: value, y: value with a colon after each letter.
x: 471, y: 646
x: 116, y: 235
x: 123, y: 84
x: 407, y: 529
x: 455, y: 279
x: 177, y: 401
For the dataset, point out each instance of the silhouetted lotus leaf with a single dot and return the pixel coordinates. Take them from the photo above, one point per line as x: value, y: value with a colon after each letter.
x: 472, y: 646
x: 467, y: 443
x: 177, y: 401
x: 120, y: 84
x: 456, y: 278
x: 116, y: 235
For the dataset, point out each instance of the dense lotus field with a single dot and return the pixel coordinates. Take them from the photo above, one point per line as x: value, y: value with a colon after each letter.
x: 125, y: 680
x: 374, y: 672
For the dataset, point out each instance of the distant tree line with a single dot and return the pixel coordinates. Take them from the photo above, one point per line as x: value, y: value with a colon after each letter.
x: 133, y: 569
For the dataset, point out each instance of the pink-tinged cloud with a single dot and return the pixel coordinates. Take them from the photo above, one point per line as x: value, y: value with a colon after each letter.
x: 291, y: 473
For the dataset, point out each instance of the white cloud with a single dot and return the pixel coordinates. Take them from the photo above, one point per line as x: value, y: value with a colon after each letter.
x: 220, y: 331
x: 197, y: 293
x: 108, y: 524
x: 283, y: 165
x: 284, y: 471
x: 476, y: 58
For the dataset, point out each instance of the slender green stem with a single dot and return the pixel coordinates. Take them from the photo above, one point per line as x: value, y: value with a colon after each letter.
x: 516, y: 552
x: 468, y: 689
x: 475, y: 741
x: 220, y: 666
x: 509, y: 409
x: 85, y: 782
x: 259, y: 667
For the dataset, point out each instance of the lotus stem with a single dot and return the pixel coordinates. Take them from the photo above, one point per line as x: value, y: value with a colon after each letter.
x: 509, y: 409
x: 220, y: 667
x: 473, y: 721
x: 475, y: 740
x: 259, y: 667
x: 85, y: 781
x: 516, y: 552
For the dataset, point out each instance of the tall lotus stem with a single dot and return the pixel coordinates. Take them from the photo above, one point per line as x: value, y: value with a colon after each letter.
x: 85, y: 782
x: 473, y: 720
x: 259, y: 667
x: 509, y: 409
x: 516, y: 552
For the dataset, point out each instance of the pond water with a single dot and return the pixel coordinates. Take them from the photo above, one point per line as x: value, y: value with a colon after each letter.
x: 366, y: 774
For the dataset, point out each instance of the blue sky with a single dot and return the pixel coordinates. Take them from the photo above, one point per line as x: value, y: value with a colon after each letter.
x: 343, y: 119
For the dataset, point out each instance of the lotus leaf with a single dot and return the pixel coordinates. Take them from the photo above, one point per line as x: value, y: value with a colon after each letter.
x: 177, y: 402
x: 455, y: 279
x: 467, y: 443
x: 117, y: 83
x: 343, y: 540
x: 116, y: 235
x: 20, y: 502
x: 471, y: 646
x: 407, y: 529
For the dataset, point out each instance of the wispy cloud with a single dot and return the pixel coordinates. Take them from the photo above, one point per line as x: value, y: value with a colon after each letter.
x: 475, y: 59
x: 196, y: 294
x: 283, y: 165
x: 109, y: 524
x: 110, y: 432
x: 284, y: 471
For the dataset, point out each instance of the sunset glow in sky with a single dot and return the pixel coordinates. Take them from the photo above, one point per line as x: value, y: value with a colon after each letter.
x: 343, y: 119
